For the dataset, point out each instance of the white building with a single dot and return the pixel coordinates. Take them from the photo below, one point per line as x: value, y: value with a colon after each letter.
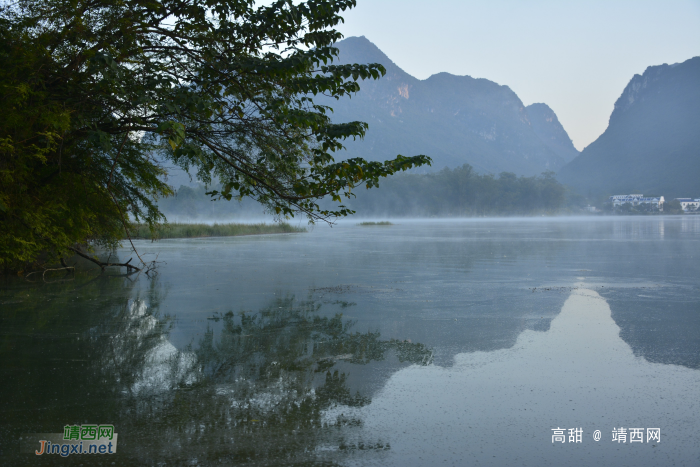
x: 636, y: 200
x: 688, y: 204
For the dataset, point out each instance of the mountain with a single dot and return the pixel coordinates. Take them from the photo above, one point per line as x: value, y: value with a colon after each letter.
x: 652, y: 143
x: 453, y: 119
x: 546, y: 125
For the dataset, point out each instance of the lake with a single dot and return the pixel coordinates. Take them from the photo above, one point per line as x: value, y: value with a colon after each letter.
x: 448, y: 342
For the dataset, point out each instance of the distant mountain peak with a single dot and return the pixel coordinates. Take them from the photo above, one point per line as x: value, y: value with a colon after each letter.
x: 356, y: 49
x: 635, y: 89
x: 547, y: 126
x: 453, y: 119
x: 651, y: 143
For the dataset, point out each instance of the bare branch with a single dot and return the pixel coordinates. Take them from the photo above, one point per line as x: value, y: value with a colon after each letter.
x: 129, y: 267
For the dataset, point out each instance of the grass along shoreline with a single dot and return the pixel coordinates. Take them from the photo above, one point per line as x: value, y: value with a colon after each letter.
x: 179, y: 230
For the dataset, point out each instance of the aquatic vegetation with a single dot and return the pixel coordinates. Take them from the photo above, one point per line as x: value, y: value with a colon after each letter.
x: 178, y: 230
x: 365, y: 224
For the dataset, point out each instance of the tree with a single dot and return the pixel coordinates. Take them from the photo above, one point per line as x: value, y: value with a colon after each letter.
x: 96, y: 94
x: 673, y: 207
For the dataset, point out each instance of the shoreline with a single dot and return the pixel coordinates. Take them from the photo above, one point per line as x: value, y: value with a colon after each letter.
x: 182, y: 230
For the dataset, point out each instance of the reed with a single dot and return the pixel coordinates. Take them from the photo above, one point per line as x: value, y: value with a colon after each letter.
x: 179, y: 230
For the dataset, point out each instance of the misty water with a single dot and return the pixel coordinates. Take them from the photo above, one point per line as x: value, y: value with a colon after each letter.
x: 427, y: 342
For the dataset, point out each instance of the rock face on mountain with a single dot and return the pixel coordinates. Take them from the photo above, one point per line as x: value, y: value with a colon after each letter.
x: 546, y: 125
x: 453, y: 119
x: 652, y: 143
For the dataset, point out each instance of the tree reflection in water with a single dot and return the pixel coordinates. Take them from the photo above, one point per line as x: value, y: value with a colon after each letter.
x: 253, y: 392
x: 257, y: 393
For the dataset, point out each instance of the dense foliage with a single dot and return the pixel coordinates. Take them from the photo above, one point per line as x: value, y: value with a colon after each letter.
x: 95, y: 94
x: 460, y: 192
x: 463, y: 192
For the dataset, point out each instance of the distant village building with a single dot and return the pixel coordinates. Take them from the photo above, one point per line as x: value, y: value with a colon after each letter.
x: 688, y: 204
x: 636, y: 200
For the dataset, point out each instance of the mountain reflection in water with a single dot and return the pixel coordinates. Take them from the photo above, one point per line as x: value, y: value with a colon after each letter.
x: 253, y: 392
x: 499, y: 408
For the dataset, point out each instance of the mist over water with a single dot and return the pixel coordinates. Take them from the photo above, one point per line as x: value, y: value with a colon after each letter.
x: 454, y: 341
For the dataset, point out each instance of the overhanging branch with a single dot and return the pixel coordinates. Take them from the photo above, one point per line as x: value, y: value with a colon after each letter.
x: 130, y: 267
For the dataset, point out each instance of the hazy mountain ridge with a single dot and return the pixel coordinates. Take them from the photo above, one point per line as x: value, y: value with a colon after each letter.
x: 453, y: 119
x: 652, y: 143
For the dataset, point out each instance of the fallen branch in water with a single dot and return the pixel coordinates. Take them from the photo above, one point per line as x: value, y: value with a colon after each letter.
x: 130, y: 267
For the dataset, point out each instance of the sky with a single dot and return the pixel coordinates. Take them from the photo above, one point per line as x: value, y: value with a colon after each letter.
x: 575, y: 56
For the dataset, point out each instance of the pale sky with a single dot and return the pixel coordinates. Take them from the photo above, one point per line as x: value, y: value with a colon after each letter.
x: 575, y: 56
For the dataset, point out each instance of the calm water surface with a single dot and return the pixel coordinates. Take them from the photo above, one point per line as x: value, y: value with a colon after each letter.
x: 422, y: 343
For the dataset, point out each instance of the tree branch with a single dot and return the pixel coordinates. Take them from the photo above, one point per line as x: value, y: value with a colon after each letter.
x: 102, y: 265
